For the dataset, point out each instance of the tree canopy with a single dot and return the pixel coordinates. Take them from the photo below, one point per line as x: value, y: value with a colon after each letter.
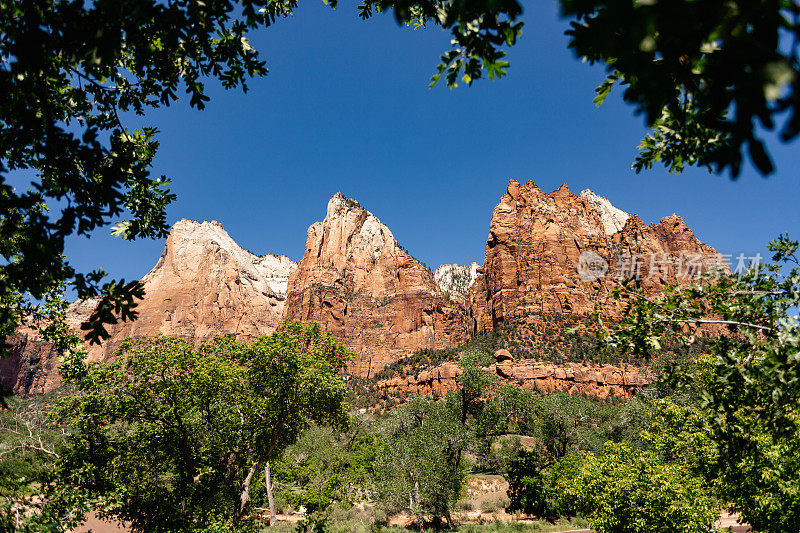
x: 747, y: 384
x: 169, y: 438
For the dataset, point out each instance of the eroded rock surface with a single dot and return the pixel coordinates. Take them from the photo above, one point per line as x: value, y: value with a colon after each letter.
x: 203, y: 285
x: 555, y: 253
x: 359, y: 284
x: 600, y: 381
x: 455, y: 280
x: 560, y: 252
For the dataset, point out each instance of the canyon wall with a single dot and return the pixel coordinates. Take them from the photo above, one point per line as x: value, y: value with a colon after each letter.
x: 600, y: 381
x: 203, y: 285
x: 456, y: 280
x: 547, y: 253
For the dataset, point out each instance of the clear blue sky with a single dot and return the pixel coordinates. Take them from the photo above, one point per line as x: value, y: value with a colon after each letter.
x: 346, y: 107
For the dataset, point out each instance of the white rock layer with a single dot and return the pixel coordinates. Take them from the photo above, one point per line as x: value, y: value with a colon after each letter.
x: 455, y: 280
x: 612, y: 217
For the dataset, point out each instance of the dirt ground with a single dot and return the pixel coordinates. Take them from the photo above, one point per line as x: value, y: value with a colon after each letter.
x: 95, y: 525
x: 484, y: 502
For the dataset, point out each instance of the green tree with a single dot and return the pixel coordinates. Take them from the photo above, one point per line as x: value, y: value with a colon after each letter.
x: 749, y: 384
x: 708, y: 75
x: 169, y: 438
x: 326, y: 465
x: 528, y: 490
x: 628, y: 490
x: 29, y: 447
x: 68, y: 72
x: 420, y: 465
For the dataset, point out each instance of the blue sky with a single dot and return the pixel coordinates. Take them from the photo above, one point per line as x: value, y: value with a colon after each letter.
x: 346, y: 107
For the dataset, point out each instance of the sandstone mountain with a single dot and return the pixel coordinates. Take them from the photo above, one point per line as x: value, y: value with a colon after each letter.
x: 546, y: 253
x: 560, y: 252
x: 359, y: 284
x: 203, y: 285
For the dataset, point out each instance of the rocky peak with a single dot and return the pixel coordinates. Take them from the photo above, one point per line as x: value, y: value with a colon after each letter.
x: 358, y: 283
x: 205, y: 284
x: 540, y: 244
x: 612, y: 218
x: 455, y: 280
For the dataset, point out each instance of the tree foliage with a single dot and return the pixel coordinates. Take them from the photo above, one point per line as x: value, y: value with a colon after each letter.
x: 749, y: 384
x: 625, y: 489
x: 708, y: 75
x: 327, y: 465
x: 69, y: 72
x: 169, y: 438
x: 479, y: 30
x: 421, y: 465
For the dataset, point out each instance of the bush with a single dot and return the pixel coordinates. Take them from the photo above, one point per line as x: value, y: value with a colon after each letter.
x: 627, y: 490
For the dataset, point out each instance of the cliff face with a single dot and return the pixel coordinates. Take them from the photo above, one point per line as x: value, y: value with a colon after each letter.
x: 558, y: 252
x: 359, y: 284
x: 546, y: 253
x: 455, y: 280
x: 32, y: 367
x: 203, y: 285
x: 600, y: 381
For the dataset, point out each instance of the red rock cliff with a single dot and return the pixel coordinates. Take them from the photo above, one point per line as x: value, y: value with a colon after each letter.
x: 600, y: 381
x: 359, y: 284
x: 560, y: 252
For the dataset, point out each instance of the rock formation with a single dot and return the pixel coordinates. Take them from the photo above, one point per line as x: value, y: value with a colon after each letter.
x: 359, y: 284
x: 455, y: 280
x: 612, y: 218
x: 546, y: 254
x: 32, y: 367
x: 203, y: 285
x: 600, y: 381
x: 560, y: 252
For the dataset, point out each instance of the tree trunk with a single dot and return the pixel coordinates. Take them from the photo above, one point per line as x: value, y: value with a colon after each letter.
x: 270, y: 498
x: 244, y: 498
x: 420, y: 514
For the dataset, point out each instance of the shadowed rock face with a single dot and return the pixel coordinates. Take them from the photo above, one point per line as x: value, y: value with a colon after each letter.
x: 545, y: 253
x: 359, y: 284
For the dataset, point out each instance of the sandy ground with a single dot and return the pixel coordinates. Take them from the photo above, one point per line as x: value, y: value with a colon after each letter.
x: 96, y: 525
